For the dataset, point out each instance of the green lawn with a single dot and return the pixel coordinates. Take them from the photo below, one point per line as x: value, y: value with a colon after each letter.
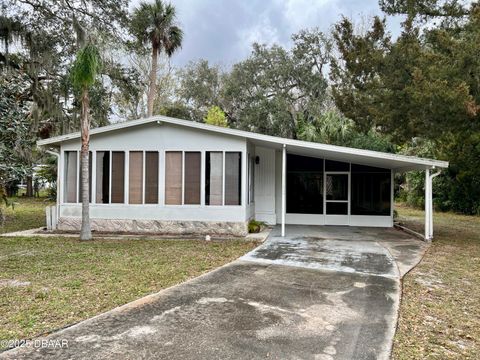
x: 440, y: 309
x: 48, y: 283
x: 27, y: 213
x: 61, y: 281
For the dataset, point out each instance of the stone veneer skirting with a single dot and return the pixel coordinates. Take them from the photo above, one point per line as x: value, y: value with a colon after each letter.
x: 157, y: 226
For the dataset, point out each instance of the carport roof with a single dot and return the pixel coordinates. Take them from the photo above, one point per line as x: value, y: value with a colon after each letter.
x: 397, y: 162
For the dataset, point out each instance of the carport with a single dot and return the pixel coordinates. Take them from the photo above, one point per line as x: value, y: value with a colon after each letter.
x: 321, y: 184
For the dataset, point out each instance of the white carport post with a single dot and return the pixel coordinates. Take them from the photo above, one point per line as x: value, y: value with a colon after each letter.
x: 428, y: 209
x: 429, y: 202
x: 284, y: 187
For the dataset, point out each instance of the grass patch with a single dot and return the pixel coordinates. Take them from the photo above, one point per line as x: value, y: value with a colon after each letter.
x: 48, y: 283
x: 439, y: 314
x: 28, y: 213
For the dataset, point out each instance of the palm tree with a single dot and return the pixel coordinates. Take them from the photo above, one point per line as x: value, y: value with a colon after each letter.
x: 155, y: 24
x: 84, y: 74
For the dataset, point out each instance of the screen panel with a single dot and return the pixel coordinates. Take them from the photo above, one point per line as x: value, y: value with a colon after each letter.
x: 71, y: 177
x: 118, y: 177
x: 331, y: 165
x: 304, y: 185
x: 336, y: 186
x: 102, y: 190
x: 151, y: 177
x: 173, y: 177
x: 371, y: 191
x: 214, y: 178
x: 135, y: 180
x: 192, y: 177
x: 233, y: 178
x: 337, y: 208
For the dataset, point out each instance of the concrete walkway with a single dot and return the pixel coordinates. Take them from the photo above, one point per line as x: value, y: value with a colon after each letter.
x: 321, y: 293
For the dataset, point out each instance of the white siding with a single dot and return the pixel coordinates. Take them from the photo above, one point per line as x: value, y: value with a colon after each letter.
x: 265, y: 185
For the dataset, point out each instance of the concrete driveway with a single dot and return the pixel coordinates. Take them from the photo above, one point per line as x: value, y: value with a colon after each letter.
x: 320, y: 293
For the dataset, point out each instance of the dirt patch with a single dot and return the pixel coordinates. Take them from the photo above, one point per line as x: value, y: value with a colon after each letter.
x: 13, y: 283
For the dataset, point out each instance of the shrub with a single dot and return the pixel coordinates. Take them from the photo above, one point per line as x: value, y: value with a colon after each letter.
x: 255, y: 226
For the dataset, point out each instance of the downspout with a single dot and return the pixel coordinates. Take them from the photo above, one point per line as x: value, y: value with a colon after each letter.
x: 57, y: 205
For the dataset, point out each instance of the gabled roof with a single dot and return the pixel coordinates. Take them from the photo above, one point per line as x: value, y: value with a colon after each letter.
x: 340, y: 153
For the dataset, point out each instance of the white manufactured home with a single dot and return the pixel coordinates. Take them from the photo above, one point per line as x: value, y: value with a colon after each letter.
x: 166, y: 175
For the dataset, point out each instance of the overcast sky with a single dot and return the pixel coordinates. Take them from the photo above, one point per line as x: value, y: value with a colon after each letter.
x: 222, y: 31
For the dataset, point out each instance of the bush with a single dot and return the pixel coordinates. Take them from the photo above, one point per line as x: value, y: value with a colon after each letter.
x: 255, y: 226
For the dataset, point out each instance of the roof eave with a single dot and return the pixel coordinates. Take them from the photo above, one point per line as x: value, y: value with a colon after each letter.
x: 408, y: 160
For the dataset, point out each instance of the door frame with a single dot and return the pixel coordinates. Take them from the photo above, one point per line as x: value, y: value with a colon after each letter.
x: 336, y: 219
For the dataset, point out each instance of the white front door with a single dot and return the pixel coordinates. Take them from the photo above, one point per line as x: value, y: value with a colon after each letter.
x: 337, y: 198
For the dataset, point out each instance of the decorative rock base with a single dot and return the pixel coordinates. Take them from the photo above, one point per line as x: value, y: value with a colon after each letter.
x: 157, y: 226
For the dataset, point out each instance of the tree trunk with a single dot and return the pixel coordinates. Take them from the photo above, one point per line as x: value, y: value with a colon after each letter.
x: 85, y: 231
x: 29, y: 190
x: 153, y: 82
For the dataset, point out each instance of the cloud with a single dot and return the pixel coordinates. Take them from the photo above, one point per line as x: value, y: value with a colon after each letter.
x: 223, y: 31
x: 299, y: 14
x: 264, y: 33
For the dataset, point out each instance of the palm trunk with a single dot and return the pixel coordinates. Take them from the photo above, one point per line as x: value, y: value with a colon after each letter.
x: 85, y: 231
x: 153, y: 82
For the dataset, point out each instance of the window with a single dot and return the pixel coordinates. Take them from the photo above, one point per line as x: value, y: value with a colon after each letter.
x: 71, y: 177
x: 304, y: 185
x: 151, y: 177
x: 192, y: 177
x: 173, y: 178
x: 102, y: 177
x: 214, y: 178
x: 233, y: 178
x: 89, y: 179
x: 118, y: 177
x: 135, y: 179
x: 371, y: 191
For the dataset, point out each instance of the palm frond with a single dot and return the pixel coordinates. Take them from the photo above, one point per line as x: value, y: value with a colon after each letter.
x: 155, y: 23
x: 86, y: 66
x: 173, y: 42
